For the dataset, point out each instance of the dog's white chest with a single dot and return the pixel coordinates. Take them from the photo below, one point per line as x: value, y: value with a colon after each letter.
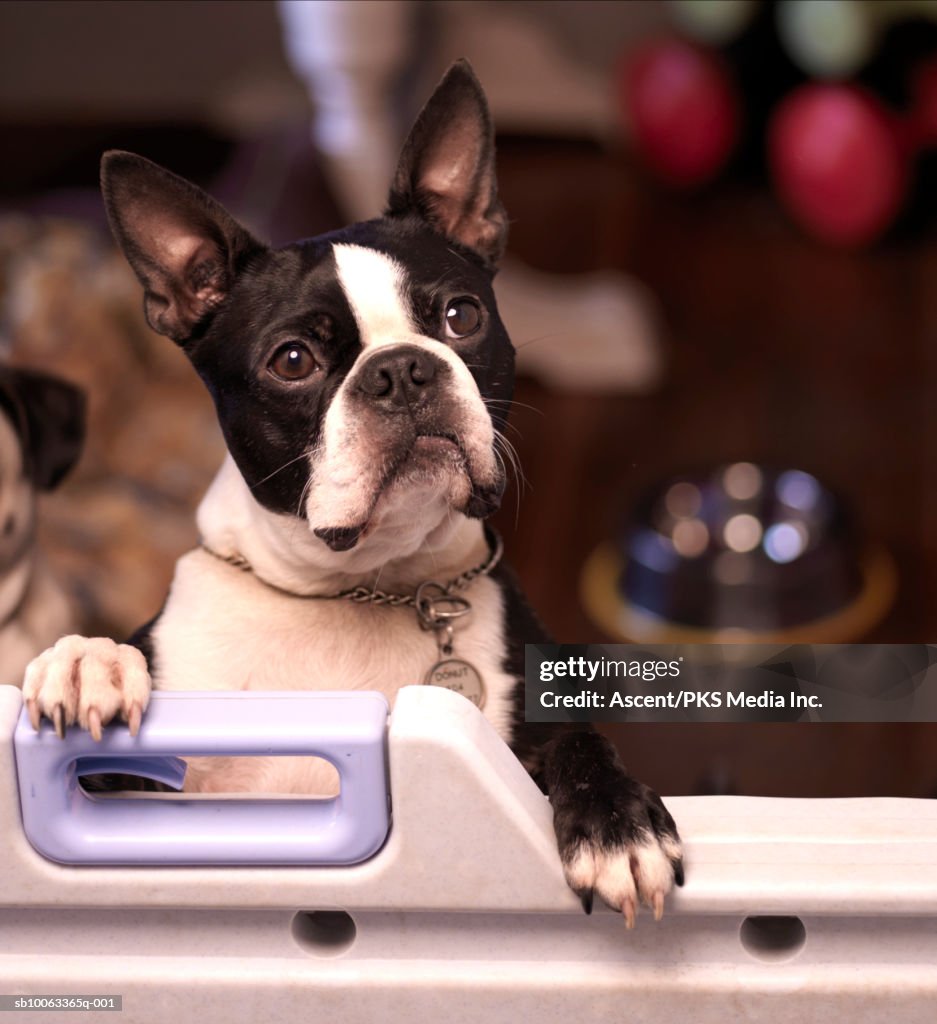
x: 222, y: 629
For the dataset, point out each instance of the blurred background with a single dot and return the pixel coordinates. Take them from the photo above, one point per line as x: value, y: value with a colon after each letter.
x: 721, y: 284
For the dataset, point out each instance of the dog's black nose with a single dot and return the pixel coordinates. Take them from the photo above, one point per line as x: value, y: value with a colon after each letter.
x: 400, y: 378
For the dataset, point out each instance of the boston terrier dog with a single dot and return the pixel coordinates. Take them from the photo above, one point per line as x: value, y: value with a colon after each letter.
x: 41, y: 432
x: 362, y: 380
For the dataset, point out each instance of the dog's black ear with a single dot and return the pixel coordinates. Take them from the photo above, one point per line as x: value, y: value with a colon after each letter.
x: 49, y: 416
x: 446, y: 171
x: 185, y: 247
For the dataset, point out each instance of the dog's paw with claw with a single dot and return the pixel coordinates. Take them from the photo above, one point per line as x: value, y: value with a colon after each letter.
x: 87, y: 682
x: 636, y: 870
x: 616, y: 838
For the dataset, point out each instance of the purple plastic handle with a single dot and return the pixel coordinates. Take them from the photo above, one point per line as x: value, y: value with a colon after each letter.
x: 347, y: 729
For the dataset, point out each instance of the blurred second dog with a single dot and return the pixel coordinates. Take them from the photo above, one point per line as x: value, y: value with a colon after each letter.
x: 41, y: 433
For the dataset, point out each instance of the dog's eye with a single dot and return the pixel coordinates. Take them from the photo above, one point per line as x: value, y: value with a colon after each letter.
x: 293, y: 361
x: 462, y: 318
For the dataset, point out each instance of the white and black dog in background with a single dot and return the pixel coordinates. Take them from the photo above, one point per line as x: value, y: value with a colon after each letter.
x: 361, y: 379
x: 42, y: 422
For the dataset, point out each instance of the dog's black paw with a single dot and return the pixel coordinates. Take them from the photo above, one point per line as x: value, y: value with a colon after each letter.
x: 616, y: 839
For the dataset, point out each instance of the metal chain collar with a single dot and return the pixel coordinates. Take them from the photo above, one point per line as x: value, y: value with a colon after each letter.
x: 427, y: 607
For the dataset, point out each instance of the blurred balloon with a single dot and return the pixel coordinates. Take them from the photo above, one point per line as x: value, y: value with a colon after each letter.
x: 682, y: 109
x: 716, y: 22
x: 837, y: 38
x: 827, y: 38
x: 837, y: 162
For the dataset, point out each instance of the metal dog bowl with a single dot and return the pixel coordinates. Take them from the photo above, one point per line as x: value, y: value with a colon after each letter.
x: 744, y: 552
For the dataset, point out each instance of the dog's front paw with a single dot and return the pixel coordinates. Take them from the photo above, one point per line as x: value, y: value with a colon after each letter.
x: 639, y: 864
x: 615, y: 836
x: 87, y: 682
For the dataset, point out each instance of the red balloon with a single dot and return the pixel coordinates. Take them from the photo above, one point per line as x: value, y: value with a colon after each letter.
x: 682, y: 110
x: 837, y: 162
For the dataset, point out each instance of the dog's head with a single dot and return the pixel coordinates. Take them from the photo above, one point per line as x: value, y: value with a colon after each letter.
x: 42, y: 421
x: 361, y: 377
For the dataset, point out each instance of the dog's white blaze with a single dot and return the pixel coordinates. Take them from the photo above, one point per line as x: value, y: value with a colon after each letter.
x: 374, y: 287
x: 347, y: 467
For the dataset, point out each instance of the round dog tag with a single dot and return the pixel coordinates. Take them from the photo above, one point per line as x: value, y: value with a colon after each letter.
x: 458, y: 675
